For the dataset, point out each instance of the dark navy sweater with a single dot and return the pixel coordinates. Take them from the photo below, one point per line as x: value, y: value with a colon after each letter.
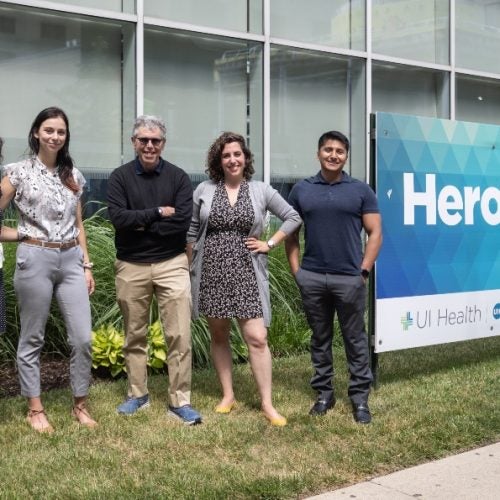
x: 133, y: 200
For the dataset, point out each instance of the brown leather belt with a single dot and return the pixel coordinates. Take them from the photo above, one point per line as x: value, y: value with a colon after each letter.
x: 51, y: 244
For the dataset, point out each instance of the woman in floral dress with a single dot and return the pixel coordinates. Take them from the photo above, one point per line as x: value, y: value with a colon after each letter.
x: 229, y: 262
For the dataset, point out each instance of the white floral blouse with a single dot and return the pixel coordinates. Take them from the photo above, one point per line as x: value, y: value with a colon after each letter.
x: 47, y: 208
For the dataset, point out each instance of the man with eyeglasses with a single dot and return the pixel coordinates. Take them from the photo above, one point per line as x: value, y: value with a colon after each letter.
x: 150, y: 204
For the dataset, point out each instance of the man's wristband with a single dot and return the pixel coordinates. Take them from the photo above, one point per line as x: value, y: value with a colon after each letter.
x: 365, y: 273
x: 88, y: 265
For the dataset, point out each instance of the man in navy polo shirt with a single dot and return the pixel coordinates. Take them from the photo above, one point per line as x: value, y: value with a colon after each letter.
x: 335, y: 209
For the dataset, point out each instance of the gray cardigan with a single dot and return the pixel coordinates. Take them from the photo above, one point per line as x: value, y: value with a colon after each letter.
x: 263, y: 198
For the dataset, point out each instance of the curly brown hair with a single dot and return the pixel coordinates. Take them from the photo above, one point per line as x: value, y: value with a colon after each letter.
x: 214, y: 157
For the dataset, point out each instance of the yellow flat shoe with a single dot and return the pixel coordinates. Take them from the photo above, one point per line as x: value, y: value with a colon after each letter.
x: 225, y: 409
x: 277, y: 421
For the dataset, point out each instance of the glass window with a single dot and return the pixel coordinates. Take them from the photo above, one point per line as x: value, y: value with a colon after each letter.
x: 312, y: 93
x: 337, y: 23
x: 411, y: 29
x: 236, y: 15
x: 50, y: 59
x: 201, y: 86
x: 478, y: 35
x: 478, y: 100
x: 410, y: 90
x: 127, y: 6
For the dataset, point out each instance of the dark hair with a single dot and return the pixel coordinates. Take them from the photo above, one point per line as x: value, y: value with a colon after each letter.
x: 333, y: 135
x: 214, y: 157
x: 64, y: 162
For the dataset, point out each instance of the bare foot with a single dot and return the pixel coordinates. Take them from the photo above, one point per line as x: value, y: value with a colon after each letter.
x: 38, y: 421
x: 82, y: 416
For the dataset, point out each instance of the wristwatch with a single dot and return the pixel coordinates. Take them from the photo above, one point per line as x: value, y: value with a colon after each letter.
x: 271, y: 244
x: 160, y: 212
x: 365, y: 273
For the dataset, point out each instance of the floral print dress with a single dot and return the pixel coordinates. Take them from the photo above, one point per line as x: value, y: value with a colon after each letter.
x: 228, y: 287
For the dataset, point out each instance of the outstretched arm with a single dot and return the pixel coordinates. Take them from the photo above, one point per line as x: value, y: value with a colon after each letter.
x: 8, y: 234
x: 7, y: 192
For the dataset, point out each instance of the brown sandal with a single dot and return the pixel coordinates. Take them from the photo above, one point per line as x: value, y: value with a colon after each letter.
x: 79, y: 410
x: 39, y: 427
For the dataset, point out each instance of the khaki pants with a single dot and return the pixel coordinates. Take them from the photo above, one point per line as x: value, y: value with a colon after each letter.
x: 169, y: 282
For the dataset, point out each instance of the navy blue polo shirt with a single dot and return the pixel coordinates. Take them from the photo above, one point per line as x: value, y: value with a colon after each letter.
x: 332, y: 215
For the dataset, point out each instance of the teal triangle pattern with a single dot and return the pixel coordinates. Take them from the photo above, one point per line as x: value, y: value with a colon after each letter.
x: 425, y: 258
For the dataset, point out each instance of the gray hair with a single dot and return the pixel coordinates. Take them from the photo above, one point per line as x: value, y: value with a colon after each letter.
x: 150, y: 122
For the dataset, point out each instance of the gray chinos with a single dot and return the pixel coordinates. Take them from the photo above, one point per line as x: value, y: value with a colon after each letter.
x: 41, y: 273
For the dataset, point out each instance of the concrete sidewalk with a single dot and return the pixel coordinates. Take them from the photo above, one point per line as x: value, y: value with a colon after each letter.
x: 471, y: 475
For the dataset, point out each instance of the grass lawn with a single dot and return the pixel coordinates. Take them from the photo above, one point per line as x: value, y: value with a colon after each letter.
x: 431, y: 402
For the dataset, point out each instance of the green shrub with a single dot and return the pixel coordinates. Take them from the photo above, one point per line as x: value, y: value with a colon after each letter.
x: 157, y: 349
x: 107, y: 344
x: 107, y: 349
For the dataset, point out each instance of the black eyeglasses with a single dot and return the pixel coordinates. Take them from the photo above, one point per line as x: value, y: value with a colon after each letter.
x: 145, y: 141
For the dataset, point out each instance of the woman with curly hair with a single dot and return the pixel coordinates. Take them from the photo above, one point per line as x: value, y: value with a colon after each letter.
x: 229, y: 262
x: 51, y: 260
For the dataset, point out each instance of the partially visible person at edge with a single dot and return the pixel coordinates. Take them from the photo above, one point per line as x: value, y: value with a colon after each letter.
x: 334, y: 270
x: 51, y: 260
x: 6, y: 234
x: 150, y: 202
x: 229, y: 262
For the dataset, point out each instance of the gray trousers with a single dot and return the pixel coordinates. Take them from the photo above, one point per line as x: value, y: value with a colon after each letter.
x: 322, y: 296
x: 41, y: 273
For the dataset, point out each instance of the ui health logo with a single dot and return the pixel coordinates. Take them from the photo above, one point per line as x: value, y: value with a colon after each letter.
x: 406, y: 321
x: 445, y: 316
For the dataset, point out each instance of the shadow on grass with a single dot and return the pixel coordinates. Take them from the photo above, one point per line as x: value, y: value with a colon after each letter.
x: 409, y: 363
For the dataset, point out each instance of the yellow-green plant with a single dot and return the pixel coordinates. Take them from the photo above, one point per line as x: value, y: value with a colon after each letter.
x: 157, y: 349
x: 107, y: 349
